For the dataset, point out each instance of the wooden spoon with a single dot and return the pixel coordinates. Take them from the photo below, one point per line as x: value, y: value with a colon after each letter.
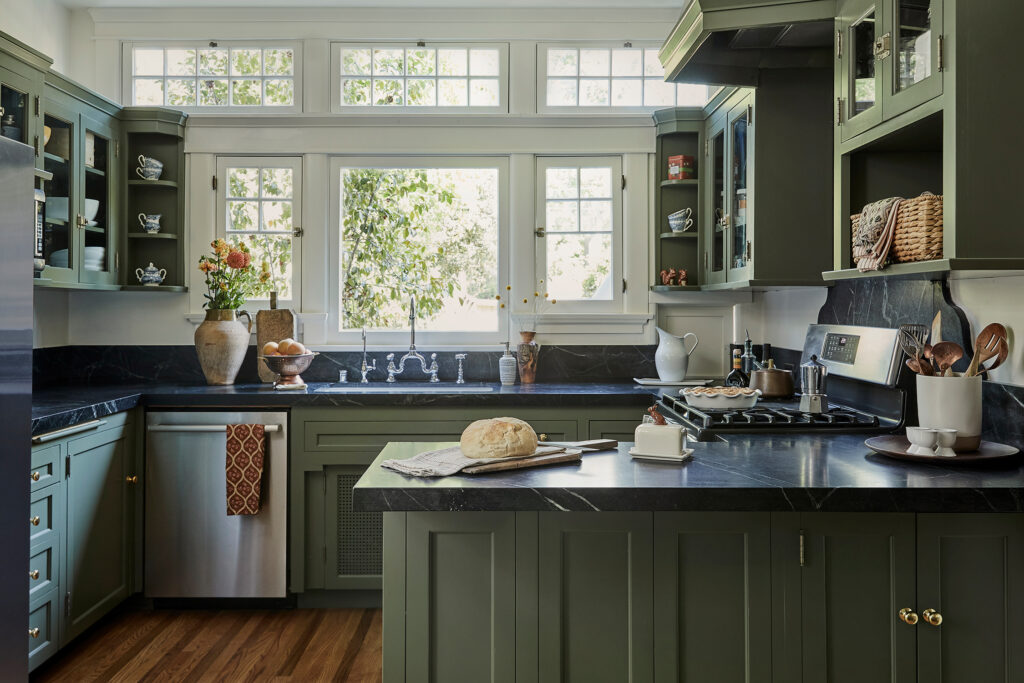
x: 986, y: 346
x: 946, y: 355
x: 936, y: 329
x: 919, y: 366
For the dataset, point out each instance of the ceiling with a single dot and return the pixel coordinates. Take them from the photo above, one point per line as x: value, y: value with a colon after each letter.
x: 418, y: 4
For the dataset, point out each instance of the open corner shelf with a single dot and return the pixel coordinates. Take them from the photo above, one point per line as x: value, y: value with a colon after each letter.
x: 152, y: 183
x: 675, y: 288
x: 156, y: 288
x: 690, y: 235
x: 149, y: 236
x: 686, y: 182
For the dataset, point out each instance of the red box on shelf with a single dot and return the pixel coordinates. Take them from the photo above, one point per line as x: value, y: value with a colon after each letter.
x: 681, y: 167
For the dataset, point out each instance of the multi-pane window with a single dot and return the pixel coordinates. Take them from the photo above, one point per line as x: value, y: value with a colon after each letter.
x: 420, y: 77
x: 214, y: 77
x: 574, y: 78
x: 580, y: 213
x: 423, y: 230
x: 259, y: 206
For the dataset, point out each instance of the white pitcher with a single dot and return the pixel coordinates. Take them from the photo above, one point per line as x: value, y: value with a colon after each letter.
x: 672, y: 357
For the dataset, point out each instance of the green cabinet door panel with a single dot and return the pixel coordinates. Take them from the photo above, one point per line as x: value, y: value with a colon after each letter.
x: 971, y: 570
x: 712, y: 587
x: 394, y: 597
x: 98, y: 501
x: 100, y: 181
x: 43, y: 630
x: 858, y: 573
x: 595, y: 597
x: 620, y: 430
x: 460, y: 621
x: 353, y: 539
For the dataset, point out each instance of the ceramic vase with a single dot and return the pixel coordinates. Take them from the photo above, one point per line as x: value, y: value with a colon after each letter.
x: 507, y: 368
x: 221, y: 343
x: 672, y: 359
x: 951, y: 403
x: 527, y: 353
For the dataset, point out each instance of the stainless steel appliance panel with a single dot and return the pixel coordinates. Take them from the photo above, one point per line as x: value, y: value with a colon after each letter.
x: 193, y: 548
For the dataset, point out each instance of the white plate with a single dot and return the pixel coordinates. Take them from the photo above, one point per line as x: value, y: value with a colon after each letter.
x: 686, y: 455
x: 655, y: 382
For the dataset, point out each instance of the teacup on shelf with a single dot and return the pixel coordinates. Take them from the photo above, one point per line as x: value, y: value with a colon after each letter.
x: 149, y: 168
x: 150, y: 222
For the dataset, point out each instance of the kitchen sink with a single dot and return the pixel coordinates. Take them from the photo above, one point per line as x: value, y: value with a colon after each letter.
x: 400, y: 388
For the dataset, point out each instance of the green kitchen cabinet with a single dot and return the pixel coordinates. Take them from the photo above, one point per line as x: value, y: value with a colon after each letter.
x: 679, y: 132
x: 22, y: 74
x: 46, y: 533
x: 595, y: 597
x: 970, y: 572
x: 99, y: 486
x: 712, y: 597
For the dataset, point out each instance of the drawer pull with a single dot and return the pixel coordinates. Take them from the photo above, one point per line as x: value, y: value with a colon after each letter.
x: 34, y: 521
x: 35, y: 476
x: 34, y: 575
x: 67, y: 431
x: 134, y: 479
x: 34, y: 632
x: 932, y: 616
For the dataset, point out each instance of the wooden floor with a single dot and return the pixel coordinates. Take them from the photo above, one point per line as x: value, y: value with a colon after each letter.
x: 230, y: 645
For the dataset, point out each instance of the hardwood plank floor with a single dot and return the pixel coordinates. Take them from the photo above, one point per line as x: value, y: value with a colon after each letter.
x: 185, y: 646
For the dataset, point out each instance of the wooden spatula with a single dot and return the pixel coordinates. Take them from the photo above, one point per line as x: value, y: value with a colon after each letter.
x: 986, y: 346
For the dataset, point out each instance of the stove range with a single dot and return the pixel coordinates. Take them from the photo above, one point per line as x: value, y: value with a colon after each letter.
x: 867, y: 388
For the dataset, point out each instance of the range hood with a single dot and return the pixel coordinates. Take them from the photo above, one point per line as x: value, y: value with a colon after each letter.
x: 729, y: 42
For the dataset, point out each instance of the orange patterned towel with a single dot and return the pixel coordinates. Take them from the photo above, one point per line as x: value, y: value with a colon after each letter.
x: 243, y: 468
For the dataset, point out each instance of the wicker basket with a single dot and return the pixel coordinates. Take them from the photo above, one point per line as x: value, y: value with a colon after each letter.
x: 918, y: 229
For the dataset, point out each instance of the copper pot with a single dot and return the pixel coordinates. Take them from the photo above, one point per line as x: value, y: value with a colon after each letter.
x: 773, y: 382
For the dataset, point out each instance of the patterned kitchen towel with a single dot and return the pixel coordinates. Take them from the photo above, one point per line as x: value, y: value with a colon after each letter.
x: 875, y: 232
x: 243, y: 467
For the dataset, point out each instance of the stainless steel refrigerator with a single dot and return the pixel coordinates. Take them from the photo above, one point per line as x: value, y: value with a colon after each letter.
x: 17, y: 225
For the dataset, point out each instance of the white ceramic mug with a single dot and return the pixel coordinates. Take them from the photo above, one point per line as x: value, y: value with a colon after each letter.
x: 951, y: 403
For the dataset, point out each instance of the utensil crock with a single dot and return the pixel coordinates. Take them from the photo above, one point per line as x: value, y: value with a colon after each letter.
x: 951, y: 403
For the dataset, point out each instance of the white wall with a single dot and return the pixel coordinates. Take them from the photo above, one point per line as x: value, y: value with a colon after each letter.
x: 996, y: 300
x: 44, y: 25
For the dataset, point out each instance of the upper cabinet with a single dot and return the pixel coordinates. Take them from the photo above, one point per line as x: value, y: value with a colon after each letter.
x: 889, y: 59
x: 22, y: 72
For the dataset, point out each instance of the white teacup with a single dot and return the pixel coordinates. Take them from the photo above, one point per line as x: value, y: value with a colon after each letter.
x: 922, y: 440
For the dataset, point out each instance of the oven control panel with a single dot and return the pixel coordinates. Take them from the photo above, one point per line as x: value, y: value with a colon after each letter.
x: 868, y: 354
x: 841, y: 348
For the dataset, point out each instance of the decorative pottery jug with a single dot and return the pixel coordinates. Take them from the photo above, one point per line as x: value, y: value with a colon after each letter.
x: 527, y: 353
x: 221, y: 343
x: 672, y: 358
x: 150, y: 222
x: 151, y: 276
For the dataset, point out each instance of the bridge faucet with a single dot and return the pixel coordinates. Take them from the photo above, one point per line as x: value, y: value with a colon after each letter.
x: 412, y: 353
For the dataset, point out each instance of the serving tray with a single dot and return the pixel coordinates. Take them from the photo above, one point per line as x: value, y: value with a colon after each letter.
x: 895, y: 446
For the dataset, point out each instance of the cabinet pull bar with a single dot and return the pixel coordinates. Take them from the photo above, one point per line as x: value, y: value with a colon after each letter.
x: 202, y: 428
x: 803, y: 557
x: 68, y: 431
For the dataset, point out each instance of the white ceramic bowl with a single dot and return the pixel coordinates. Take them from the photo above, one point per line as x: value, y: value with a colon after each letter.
x: 92, y: 207
x: 57, y: 208
x: 720, y: 401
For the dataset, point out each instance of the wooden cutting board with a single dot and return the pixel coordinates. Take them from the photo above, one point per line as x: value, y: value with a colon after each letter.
x: 522, y: 463
x: 272, y: 325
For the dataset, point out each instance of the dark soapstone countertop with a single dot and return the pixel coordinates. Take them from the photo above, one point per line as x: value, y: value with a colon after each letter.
x: 745, y: 473
x: 58, y: 407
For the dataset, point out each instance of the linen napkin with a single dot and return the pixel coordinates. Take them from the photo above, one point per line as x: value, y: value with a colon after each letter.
x: 448, y: 461
x: 243, y: 468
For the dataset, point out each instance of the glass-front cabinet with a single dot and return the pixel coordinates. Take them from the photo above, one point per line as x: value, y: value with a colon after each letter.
x: 728, y: 228
x: 890, y: 59
x: 60, y: 212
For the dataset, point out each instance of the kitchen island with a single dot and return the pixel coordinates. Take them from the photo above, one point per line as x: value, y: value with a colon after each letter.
x: 765, y: 558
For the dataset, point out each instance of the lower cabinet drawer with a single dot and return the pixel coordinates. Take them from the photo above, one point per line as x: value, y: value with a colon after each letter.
x: 44, y: 515
x: 42, y: 632
x: 45, y: 464
x: 42, y: 572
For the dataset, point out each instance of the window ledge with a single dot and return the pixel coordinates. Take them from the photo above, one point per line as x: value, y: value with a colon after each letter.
x: 586, y: 323
x: 494, y: 120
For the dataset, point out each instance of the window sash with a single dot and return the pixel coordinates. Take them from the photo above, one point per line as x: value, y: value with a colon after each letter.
x: 128, y: 76
x: 295, y: 165
x: 616, y: 274
x: 502, y: 79
x: 400, y: 338
x: 542, y: 80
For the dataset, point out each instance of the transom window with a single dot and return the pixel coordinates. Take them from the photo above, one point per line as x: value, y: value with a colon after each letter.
x: 259, y: 202
x: 214, y: 77
x: 572, y: 78
x: 417, y: 77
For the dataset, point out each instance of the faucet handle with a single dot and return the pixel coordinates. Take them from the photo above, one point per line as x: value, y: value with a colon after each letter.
x: 391, y: 368
x: 433, y: 368
x: 460, y: 357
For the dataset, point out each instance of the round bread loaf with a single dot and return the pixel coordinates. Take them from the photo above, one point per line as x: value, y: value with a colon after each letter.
x: 499, y: 437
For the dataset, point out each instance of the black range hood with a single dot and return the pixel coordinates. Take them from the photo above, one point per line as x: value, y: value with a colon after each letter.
x: 729, y: 42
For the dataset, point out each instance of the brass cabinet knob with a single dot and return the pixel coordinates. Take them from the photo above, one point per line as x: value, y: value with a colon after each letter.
x: 542, y: 437
x: 134, y: 479
x: 34, y: 574
x: 34, y: 632
x: 34, y: 521
x: 932, y: 616
x: 908, y: 616
x: 35, y: 476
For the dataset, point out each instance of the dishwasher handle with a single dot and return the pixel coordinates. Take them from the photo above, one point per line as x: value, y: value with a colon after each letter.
x: 202, y: 428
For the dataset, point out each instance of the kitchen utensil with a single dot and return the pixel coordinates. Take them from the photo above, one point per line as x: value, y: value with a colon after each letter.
x: 986, y: 346
x: 672, y: 357
x: 922, y: 440
x: 772, y: 382
x: 523, y: 463
x: 946, y: 355
x: 591, y: 446
x: 289, y: 368
x: 896, y: 445
x: 944, y: 441
x: 920, y: 366
x: 274, y: 325
x: 813, y: 376
x: 930, y: 357
x: 936, y: 335
x: 909, y: 343
x: 1003, y: 352
x: 721, y: 401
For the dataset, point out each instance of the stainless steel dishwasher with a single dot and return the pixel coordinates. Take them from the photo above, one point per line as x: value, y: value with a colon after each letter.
x: 193, y: 549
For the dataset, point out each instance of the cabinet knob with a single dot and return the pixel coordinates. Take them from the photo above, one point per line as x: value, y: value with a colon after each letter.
x: 34, y: 632
x: 34, y: 575
x: 932, y: 616
x: 35, y: 476
x: 908, y: 616
x: 542, y: 437
x: 34, y: 521
x: 134, y: 479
